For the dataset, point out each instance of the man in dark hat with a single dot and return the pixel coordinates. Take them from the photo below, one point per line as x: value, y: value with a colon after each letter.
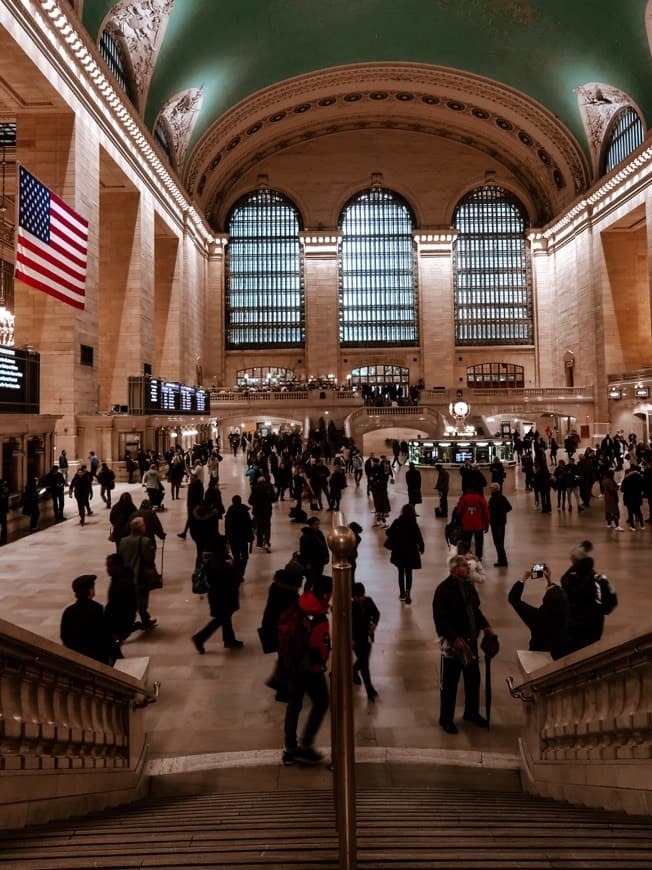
x: 84, y: 628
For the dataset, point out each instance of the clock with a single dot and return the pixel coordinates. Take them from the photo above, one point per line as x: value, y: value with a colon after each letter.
x: 460, y: 409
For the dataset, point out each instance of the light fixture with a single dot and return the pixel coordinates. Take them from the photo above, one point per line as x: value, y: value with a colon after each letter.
x: 642, y: 392
x: 615, y: 393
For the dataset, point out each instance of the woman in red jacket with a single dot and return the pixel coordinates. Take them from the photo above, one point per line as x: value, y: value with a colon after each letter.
x: 473, y: 513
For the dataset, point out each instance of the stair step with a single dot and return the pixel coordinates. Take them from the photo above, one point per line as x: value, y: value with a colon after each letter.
x: 398, y: 829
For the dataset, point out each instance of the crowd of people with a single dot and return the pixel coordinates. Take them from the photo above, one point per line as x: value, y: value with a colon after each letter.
x: 295, y: 623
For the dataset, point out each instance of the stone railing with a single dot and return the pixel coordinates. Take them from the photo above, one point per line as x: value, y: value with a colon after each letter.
x: 589, y: 724
x: 220, y: 396
x: 71, y: 737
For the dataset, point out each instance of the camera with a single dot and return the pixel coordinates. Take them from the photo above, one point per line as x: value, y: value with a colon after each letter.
x: 537, y: 570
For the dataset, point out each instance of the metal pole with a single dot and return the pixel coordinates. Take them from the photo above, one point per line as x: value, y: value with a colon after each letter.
x: 341, y: 541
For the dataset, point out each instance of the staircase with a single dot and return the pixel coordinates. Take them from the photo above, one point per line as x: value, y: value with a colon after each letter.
x: 398, y: 829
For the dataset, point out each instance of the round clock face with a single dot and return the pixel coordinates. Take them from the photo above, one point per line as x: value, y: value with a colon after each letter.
x: 461, y: 409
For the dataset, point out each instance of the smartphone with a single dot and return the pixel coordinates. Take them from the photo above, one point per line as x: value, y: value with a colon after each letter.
x: 537, y: 569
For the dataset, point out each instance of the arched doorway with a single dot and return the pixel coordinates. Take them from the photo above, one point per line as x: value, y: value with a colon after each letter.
x: 382, y: 384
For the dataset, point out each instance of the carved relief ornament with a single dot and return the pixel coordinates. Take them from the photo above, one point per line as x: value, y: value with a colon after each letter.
x: 142, y: 25
x: 180, y: 113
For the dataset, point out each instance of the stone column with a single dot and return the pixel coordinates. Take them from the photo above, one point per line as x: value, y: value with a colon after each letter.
x: 549, y: 364
x: 320, y: 261
x: 214, y: 350
x: 436, y: 310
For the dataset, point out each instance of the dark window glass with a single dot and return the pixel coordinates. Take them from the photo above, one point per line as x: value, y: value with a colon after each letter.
x: 626, y: 135
x: 264, y: 377
x: 493, y: 291
x: 378, y: 302
x: 490, y: 376
x: 161, y: 136
x: 111, y: 52
x: 264, y: 296
x: 86, y: 355
x: 7, y: 134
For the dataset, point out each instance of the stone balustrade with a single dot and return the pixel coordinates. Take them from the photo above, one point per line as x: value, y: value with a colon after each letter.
x: 589, y: 724
x: 62, y: 714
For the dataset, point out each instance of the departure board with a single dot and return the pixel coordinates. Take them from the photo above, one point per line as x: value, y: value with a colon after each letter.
x: 19, y: 381
x: 167, y: 397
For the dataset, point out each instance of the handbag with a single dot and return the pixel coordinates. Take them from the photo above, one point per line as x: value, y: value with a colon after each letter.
x: 150, y: 578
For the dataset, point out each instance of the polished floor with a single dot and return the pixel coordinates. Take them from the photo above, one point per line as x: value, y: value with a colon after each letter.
x: 218, y: 703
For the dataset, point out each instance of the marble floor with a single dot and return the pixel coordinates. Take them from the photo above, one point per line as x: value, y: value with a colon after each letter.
x: 218, y: 703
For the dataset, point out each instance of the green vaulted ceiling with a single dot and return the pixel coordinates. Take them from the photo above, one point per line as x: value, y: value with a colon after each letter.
x: 544, y: 48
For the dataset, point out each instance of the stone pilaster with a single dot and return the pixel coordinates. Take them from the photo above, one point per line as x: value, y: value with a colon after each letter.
x: 436, y: 314
x: 320, y: 258
x: 214, y: 365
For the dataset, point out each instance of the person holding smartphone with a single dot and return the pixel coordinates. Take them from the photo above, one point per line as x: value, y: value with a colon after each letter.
x: 549, y: 623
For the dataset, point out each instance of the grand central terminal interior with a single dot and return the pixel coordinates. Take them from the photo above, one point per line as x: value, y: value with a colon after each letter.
x: 367, y: 223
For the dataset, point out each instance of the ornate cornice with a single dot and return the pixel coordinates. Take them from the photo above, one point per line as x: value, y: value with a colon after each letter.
x: 180, y: 113
x: 598, y: 104
x: 397, y: 92
x: 142, y: 26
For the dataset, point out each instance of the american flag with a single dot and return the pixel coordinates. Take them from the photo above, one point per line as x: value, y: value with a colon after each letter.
x: 51, y: 244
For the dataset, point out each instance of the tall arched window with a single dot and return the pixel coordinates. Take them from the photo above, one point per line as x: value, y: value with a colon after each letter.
x: 493, y: 291
x: 114, y: 55
x: 625, y: 134
x: 378, y: 304
x: 264, y: 293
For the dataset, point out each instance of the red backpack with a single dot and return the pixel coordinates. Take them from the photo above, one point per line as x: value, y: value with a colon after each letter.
x: 301, y: 639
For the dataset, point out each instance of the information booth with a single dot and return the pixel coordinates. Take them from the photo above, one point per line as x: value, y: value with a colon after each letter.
x: 453, y: 451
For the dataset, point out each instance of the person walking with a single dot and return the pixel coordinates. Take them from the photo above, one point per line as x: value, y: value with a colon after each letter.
x: 442, y: 485
x: 413, y: 483
x: 63, y: 465
x: 239, y: 531
x: 365, y: 617
x: 304, y: 661
x: 632, y: 490
x: 81, y: 487
x: 138, y: 553
x: 458, y: 622
x: 499, y: 507
x: 55, y: 484
x: 611, y: 507
x: 405, y: 541
x: 106, y: 480
x: 121, y: 607
x: 194, y: 495
x: 313, y: 550
x: 223, y: 600
x: 473, y: 514
x: 29, y: 503
x: 121, y: 512
x: 176, y: 473
x: 261, y: 500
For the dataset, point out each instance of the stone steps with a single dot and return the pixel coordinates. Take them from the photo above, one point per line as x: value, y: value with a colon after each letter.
x: 406, y: 829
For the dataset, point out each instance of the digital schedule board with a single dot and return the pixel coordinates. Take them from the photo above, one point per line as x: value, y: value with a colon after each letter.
x: 19, y: 381
x: 169, y: 397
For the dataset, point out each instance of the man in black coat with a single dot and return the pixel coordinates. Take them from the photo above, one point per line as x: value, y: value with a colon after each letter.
x: 263, y: 496
x: 458, y: 621
x: 239, y: 530
x: 81, y: 486
x: 194, y: 496
x: 56, y: 486
x: 499, y: 507
x: 84, y: 628
x: 223, y: 598
x: 313, y: 550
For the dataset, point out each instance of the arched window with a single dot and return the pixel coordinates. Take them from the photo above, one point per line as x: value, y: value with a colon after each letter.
x: 489, y: 376
x: 115, y: 58
x: 625, y: 134
x: 378, y: 304
x: 161, y: 136
x: 493, y: 292
x: 264, y: 293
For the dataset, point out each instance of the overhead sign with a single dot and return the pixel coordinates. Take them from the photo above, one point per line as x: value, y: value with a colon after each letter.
x: 19, y: 381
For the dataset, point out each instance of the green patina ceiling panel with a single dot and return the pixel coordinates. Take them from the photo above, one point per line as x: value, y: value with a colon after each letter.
x: 544, y: 48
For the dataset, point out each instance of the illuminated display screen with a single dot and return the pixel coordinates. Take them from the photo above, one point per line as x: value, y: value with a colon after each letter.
x: 170, y: 397
x: 19, y: 381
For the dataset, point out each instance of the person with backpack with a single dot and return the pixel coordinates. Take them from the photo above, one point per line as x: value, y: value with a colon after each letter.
x: 591, y: 597
x: 223, y: 581
x: 365, y: 617
x: 304, y: 648
x: 282, y: 594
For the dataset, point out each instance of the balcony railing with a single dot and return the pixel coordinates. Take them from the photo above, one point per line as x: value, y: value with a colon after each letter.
x: 589, y: 724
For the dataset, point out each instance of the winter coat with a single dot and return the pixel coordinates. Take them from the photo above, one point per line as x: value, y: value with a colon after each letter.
x: 313, y: 548
x: 610, y: 492
x: 473, y: 512
x: 549, y: 623
x: 378, y: 487
x: 238, y: 525
x: 262, y: 498
x: 413, y: 482
x: 450, y: 612
x: 223, y: 586
x: 406, y: 542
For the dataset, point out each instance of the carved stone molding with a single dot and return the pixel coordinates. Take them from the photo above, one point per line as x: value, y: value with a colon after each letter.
x: 142, y: 26
x: 180, y: 113
x: 648, y: 23
x: 598, y: 104
x: 426, y: 95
